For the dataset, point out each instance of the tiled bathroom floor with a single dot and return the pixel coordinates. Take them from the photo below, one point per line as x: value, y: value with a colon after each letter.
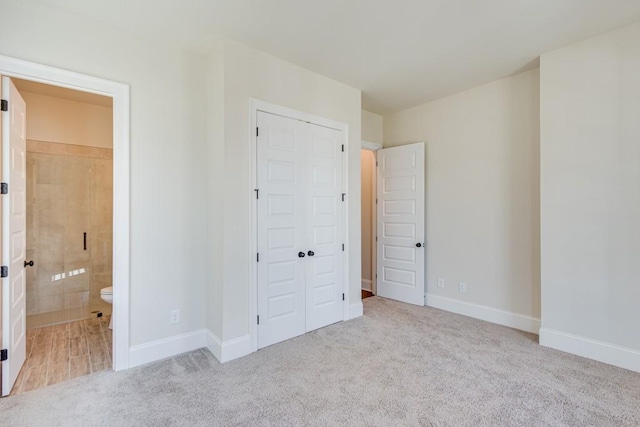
x: 61, y: 352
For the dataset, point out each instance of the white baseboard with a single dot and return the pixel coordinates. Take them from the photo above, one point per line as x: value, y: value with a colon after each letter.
x: 214, y: 344
x: 167, y: 347
x: 225, y: 351
x: 493, y: 315
x: 367, y: 285
x: 355, y: 310
x: 611, y: 354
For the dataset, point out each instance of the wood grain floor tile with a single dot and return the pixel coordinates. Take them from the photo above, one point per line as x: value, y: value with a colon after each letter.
x: 18, y: 384
x: 98, y: 354
x: 57, y: 372
x: 78, y: 346
x: 93, y: 328
x: 60, y: 352
x: 43, y: 338
x: 59, y: 349
x: 61, y: 327
x: 39, y: 354
x: 32, y: 333
x: 76, y: 329
x: 100, y: 367
x: 79, y: 366
x: 30, y: 343
x: 47, y: 331
x: 36, y: 377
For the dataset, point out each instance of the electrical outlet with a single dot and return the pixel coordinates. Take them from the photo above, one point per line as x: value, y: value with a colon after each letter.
x: 462, y: 287
x: 441, y: 282
x: 175, y: 316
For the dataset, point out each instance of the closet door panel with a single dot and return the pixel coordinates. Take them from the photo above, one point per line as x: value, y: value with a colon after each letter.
x: 281, y: 153
x: 324, y: 207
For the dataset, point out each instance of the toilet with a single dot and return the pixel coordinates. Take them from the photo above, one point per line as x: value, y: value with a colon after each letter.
x: 107, y: 296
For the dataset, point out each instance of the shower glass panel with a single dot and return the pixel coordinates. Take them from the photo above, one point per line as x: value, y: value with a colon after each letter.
x: 69, y: 237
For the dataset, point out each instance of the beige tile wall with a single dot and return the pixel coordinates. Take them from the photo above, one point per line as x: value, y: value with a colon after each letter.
x: 68, y: 193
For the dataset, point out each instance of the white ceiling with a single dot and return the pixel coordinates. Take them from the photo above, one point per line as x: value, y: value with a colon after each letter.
x: 400, y: 53
x: 61, y: 92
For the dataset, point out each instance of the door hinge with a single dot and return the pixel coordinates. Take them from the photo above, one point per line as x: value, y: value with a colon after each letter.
x: 4, y: 355
x: 343, y: 247
x: 343, y: 148
x: 376, y: 201
x: 342, y: 297
x: 376, y: 163
x: 258, y: 319
x: 258, y: 257
x: 257, y: 131
x: 376, y: 238
x: 4, y: 105
x: 343, y: 194
x: 257, y: 193
x: 4, y: 188
x: 4, y: 271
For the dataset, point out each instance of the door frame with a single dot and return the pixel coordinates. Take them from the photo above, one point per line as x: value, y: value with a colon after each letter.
x: 373, y: 147
x: 119, y: 92
x: 256, y: 105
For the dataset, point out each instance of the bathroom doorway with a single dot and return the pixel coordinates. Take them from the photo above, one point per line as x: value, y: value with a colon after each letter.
x: 69, y: 234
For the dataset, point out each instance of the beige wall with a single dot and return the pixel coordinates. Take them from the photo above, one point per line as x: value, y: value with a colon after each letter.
x: 482, y: 176
x: 249, y: 73
x: 68, y: 122
x: 372, y: 127
x: 201, y: 136
x: 368, y: 238
x: 590, y: 189
x: 216, y: 180
x: 169, y: 243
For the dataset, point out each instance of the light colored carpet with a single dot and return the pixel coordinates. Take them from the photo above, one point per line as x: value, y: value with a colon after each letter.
x: 397, y: 365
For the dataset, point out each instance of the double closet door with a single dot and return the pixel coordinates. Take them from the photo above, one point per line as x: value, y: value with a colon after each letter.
x: 300, y: 227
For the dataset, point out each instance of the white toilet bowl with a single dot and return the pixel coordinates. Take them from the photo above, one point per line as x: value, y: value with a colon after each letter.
x: 107, y: 296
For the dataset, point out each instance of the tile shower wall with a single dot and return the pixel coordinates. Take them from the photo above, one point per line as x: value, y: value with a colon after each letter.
x: 68, y: 194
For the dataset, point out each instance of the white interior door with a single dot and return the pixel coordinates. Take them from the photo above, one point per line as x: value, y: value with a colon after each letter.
x: 401, y: 223
x: 300, y: 227
x: 281, y: 151
x: 13, y: 234
x: 324, y: 280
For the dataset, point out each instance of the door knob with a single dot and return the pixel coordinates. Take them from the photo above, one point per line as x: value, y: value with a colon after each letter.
x: 301, y: 254
x: 311, y: 253
x: 28, y: 264
x: 418, y: 245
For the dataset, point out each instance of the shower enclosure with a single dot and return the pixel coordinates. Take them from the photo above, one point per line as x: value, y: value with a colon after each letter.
x: 69, y: 232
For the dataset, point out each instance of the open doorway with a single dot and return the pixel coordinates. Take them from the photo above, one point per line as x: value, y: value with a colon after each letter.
x: 368, y: 219
x: 67, y: 173
x: 13, y: 298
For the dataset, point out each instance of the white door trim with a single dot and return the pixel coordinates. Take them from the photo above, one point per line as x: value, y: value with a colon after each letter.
x: 256, y: 105
x: 370, y: 146
x: 12, y: 67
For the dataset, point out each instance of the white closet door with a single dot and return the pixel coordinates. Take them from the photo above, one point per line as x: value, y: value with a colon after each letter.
x: 324, y: 213
x: 14, y: 234
x: 401, y: 242
x: 281, y: 153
